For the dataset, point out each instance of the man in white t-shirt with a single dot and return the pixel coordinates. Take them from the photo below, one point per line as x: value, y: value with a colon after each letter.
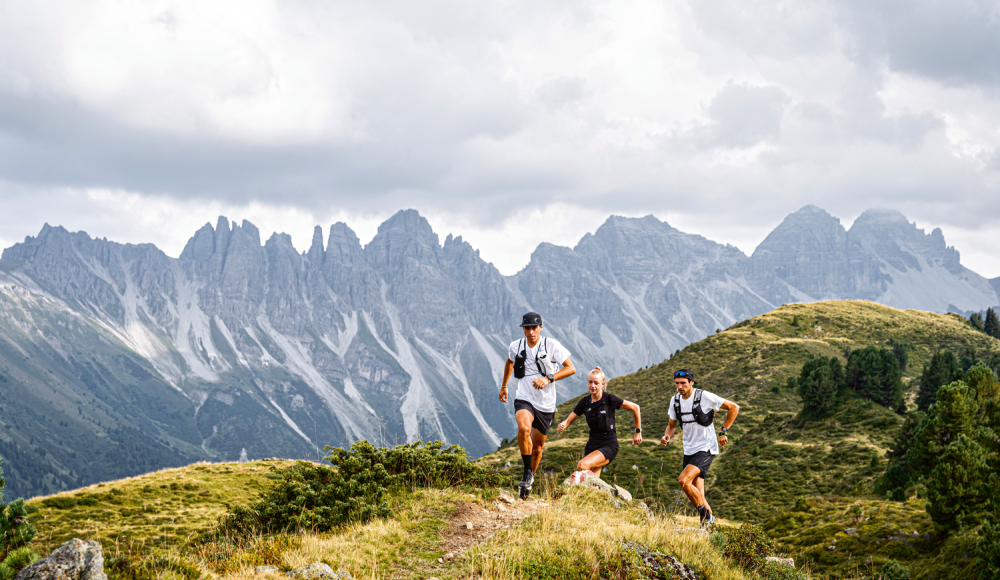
x: 537, y: 363
x: 695, y: 410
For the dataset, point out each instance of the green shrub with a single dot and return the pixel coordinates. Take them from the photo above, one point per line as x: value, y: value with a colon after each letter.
x: 772, y: 570
x: 15, y: 529
x: 15, y: 560
x: 59, y: 503
x: 893, y: 570
x: 718, y: 541
x: 319, y: 498
x: 748, y: 546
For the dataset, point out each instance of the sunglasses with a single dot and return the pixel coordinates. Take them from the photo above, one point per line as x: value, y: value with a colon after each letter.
x: 682, y: 375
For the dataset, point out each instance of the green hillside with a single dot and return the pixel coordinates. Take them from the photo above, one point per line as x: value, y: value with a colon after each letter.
x: 774, y: 458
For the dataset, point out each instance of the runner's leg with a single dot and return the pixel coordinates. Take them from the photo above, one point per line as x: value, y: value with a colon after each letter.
x: 537, y: 442
x: 594, y: 462
x: 524, y: 419
x: 700, y: 482
x: 687, y: 481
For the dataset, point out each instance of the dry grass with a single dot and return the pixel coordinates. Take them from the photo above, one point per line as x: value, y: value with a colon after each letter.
x: 584, y: 528
x: 408, y: 545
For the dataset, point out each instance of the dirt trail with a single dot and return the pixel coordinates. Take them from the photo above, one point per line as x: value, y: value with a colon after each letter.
x: 473, y: 522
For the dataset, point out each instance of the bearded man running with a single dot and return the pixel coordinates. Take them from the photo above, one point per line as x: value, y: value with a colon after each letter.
x: 695, y: 410
x: 536, y: 363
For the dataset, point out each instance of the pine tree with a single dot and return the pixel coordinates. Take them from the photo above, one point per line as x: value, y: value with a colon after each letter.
x: 902, y: 352
x: 981, y: 378
x: 874, y: 374
x: 952, y: 416
x: 956, y: 488
x: 976, y: 321
x: 818, y: 384
x: 942, y: 370
x: 991, y: 325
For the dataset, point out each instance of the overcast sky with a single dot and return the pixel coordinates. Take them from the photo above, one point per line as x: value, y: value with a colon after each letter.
x: 508, y: 123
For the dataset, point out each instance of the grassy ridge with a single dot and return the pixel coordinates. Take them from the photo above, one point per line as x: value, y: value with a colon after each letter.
x: 775, y: 457
x: 160, y: 510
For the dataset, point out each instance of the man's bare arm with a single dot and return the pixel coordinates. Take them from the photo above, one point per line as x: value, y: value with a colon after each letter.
x: 669, y: 433
x: 567, y: 370
x: 732, y: 409
x: 508, y: 368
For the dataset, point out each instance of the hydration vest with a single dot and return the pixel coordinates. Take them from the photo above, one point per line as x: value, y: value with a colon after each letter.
x: 699, y: 417
x: 521, y: 357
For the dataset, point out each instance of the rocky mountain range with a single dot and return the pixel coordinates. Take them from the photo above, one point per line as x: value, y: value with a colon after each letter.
x: 118, y: 359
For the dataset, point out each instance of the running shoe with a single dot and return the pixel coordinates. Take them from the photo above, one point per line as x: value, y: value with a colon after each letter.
x: 708, y: 522
x: 524, y: 488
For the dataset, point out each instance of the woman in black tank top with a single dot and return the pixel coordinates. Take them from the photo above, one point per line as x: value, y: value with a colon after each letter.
x: 599, y: 409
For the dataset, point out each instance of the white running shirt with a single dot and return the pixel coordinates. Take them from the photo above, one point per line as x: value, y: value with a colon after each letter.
x: 696, y: 437
x: 543, y: 400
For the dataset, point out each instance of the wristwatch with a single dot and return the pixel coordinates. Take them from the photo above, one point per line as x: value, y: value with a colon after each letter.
x: 552, y: 378
x: 723, y: 430
x: 638, y: 430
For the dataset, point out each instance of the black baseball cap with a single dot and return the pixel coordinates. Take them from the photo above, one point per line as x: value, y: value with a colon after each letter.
x: 531, y: 319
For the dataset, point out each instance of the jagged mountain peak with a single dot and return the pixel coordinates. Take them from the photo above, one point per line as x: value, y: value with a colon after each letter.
x: 409, y: 221
x: 876, y: 217
x: 342, y: 239
x: 616, y: 226
x: 316, y: 247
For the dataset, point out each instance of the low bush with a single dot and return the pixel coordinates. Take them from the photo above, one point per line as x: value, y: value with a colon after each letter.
x: 59, y: 503
x: 748, y: 546
x: 319, y: 498
x: 16, y: 560
x: 16, y: 532
x: 893, y: 570
x: 772, y: 570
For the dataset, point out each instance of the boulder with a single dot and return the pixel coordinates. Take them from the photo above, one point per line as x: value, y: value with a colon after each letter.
x: 74, y: 560
x: 623, y: 493
x: 588, y: 479
x: 317, y: 570
x: 785, y: 561
x: 663, y: 565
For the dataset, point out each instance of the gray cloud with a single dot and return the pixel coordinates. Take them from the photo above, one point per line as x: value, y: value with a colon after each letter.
x: 951, y: 42
x: 744, y: 116
x: 474, y: 112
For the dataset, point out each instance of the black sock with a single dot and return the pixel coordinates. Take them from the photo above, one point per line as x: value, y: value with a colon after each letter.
x: 703, y: 512
x: 526, y: 459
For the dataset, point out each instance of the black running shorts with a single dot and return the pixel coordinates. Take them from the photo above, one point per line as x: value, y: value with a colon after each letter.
x: 702, y: 460
x: 607, y: 447
x: 541, y: 422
